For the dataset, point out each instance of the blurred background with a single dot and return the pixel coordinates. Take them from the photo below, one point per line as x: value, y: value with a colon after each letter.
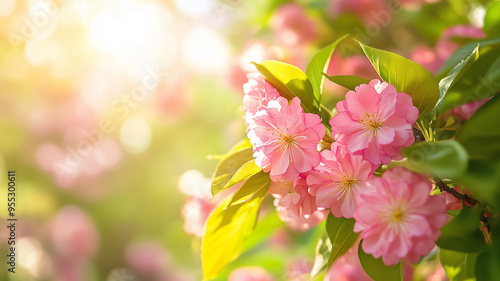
x: 113, y: 114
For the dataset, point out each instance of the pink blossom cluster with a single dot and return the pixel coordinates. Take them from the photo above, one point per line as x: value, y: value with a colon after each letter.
x: 396, y: 215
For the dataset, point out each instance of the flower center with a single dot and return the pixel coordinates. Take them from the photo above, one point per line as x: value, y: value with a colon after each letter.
x: 346, y: 185
x: 397, y: 214
x: 371, y: 122
x: 287, y: 141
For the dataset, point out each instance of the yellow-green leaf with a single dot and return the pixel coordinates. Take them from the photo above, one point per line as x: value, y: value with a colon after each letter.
x: 290, y: 82
x: 407, y: 76
x: 230, y: 224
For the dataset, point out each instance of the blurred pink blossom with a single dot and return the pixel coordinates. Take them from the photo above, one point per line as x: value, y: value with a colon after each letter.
x: 366, y: 10
x: 147, y: 259
x: 347, y: 267
x: 299, y: 270
x: 465, y: 111
x: 73, y: 234
x: 250, y: 273
x: 446, y: 44
x: 292, y: 26
x: 426, y: 57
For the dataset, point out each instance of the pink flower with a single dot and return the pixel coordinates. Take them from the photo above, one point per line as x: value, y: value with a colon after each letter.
x: 73, y: 234
x: 258, y: 93
x: 465, y: 111
x: 284, y: 139
x: 397, y: 217
x: 291, y: 25
x: 338, y: 179
x: 446, y: 45
x: 250, y: 273
x: 375, y: 121
x: 295, y: 205
x: 426, y: 57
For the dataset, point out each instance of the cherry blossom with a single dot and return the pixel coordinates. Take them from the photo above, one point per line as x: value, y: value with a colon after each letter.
x: 284, y: 139
x: 398, y: 218
x: 337, y: 180
x: 375, y: 121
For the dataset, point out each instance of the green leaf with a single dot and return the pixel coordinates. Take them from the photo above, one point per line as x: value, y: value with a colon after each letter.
x: 348, y: 81
x: 482, y: 179
x: 267, y: 225
x: 482, y: 80
x: 323, y: 250
x: 458, y: 266
x: 492, y: 20
x: 319, y: 65
x: 480, y: 135
x: 342, y: 236
x: 230, y: 224
x: 290, y: 82
x: 447, y: 159
x: 487, y: 268
x: 377, y: 270
x: 462, y: 233
x: 407, y: 76
x: 464, y: 51
x: 456, y: 73
x: 235, y: 166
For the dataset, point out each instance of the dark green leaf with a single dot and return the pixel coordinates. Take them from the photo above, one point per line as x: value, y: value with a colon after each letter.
x: 492, y: 20
x: 482, y: 80
x: 377, y: 270
x: 464, y: 51
x: 318, y: 65
x: 348, y: 81
x: 480, y: 135
x: 290, y: 82
x: 456, y: 73
x: 230, y: 224
x: 462, y: 233
x: 482, y: 179
x: 458, y: 266
x: 488, y: 265
x: 342, y: 236
x: 407, y: 76
x: 447, y: 159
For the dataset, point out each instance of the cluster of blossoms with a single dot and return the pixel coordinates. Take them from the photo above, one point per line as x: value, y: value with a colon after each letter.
x: 395, y: 214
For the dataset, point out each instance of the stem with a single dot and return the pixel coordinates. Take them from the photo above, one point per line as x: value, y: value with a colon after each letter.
x: 463, y: 197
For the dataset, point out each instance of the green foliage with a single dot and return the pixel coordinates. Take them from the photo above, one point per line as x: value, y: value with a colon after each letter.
x: 323, y: 250
x: 290, y: 82
x: 447, y: 159
x: 348, y: 81
x: 407, y: 76
x: 482, y: 80
x: 492, y: 20
x: 339, y: 238
x: 462, y: 233
x: 456, y: 73
x: 487, y: 265
x: 482, y: 179
x: 464, y: 51
x: 235, y: 166
x: 377, y: 270
x: 230, y: 224
x: 458, y: 266
x: 318, y: 65
x: 480, y: 135
x: 342, y: 236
